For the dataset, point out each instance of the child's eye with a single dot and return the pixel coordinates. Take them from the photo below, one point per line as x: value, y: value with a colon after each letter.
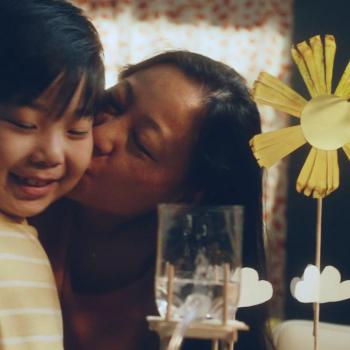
x: 78, y: 133
x: 21, y: 125
x: 80, y: 128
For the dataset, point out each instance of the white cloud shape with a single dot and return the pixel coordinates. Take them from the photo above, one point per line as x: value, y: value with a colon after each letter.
x: 253, y: 291
x: 316, y: 287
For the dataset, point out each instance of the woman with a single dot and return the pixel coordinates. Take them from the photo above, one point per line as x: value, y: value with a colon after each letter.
x: 176, y: 128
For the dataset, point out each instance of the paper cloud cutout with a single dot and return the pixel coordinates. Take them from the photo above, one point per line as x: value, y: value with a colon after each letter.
x: 253, y: 291
x: 314, y: 287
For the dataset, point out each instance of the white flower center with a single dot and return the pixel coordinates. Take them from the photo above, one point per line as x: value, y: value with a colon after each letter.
x: 325, y: 122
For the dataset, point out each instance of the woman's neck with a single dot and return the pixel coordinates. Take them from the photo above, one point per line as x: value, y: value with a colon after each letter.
x: 93, y: 221
x: 108, y: 252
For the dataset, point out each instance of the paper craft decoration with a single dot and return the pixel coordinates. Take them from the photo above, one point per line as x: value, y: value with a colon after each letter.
x: 253, y: 291
x: 314, y: 287
x: 325, y: 127
x: 324, y: 120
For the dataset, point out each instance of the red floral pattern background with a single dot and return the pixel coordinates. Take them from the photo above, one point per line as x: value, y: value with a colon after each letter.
x: 249, y: 35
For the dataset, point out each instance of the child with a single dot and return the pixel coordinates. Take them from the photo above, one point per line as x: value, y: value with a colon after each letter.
x: 51, y: 74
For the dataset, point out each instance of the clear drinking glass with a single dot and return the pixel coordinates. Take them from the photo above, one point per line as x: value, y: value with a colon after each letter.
x: 200, y: 244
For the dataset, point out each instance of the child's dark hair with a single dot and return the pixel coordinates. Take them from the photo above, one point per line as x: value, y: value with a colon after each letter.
x: 223, y: 169
x: 42, y: 40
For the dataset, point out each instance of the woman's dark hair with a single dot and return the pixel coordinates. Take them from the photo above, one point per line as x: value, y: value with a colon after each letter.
x: 42, y: 40
x: 223, y: 169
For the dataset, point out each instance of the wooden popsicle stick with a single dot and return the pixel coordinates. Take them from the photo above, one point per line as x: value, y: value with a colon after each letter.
x: 225, y: 292
x: 214, y: 344
x: 170, y: 284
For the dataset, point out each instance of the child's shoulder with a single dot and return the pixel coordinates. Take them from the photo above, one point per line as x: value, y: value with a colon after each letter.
x: 12, y: 226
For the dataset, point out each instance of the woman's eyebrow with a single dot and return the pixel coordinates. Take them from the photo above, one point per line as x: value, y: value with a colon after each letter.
x: 147, y: 120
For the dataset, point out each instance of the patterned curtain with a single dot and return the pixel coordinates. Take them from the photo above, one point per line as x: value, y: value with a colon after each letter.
x: 249, y: 35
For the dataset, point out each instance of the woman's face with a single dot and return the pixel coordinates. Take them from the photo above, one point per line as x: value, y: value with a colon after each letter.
x: 143, y: 142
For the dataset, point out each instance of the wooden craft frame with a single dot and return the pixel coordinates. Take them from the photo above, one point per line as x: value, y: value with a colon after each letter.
x: 225, y: 332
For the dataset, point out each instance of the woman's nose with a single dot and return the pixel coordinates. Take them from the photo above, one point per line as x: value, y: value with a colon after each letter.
x: 109, y: 136
x: 48, y: 152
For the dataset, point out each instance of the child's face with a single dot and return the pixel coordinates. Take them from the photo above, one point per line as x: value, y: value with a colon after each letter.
x: 41, y: 157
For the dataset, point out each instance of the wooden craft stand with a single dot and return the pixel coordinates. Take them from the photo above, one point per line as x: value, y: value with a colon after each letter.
x: 225, y: 332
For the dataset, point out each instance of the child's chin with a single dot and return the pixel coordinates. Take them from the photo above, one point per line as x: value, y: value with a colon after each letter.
x: 30, y: 214
x: 29, y: 209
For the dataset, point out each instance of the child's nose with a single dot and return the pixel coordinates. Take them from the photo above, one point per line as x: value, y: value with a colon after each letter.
x: 48, y: 153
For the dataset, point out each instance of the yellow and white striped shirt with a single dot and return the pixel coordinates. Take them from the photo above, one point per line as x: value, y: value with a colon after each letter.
x: 30, y: 313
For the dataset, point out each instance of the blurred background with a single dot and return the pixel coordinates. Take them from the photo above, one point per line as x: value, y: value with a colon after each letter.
x: 251, y: 36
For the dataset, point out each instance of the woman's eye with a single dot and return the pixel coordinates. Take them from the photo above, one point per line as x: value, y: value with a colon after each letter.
x: 141, y: 147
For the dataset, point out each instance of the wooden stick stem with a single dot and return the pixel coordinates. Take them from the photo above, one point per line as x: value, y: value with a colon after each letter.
x: 318, y: 233
x: 225, y: 292
x: 318, y: 265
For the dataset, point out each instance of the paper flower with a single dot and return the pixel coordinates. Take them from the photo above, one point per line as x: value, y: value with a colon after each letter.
x: 316, y: 287
x: 253, y: 291
x: 324, y: 119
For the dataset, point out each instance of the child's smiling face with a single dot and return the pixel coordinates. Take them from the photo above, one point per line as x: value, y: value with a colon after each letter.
x: 41, y: 156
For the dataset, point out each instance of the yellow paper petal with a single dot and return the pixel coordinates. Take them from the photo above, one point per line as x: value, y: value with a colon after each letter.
x: 300, y: 60
x: 346, y: 149
x: 329, y: 52
x: 271, y: 91
x: 317, y: 50
x: 313, y: 176
x: 335, y: 171
x: 270, y: 147
x: 330, y: 172
x: 343, y: 88
x: 308, y: 56
x: 320, y: 174
x: 305, y: 173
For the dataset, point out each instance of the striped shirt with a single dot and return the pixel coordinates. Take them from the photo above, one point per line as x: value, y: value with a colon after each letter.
x: 30, y: 314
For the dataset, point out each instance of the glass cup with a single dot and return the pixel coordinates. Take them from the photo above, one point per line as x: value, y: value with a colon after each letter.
x: 198, y: 258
